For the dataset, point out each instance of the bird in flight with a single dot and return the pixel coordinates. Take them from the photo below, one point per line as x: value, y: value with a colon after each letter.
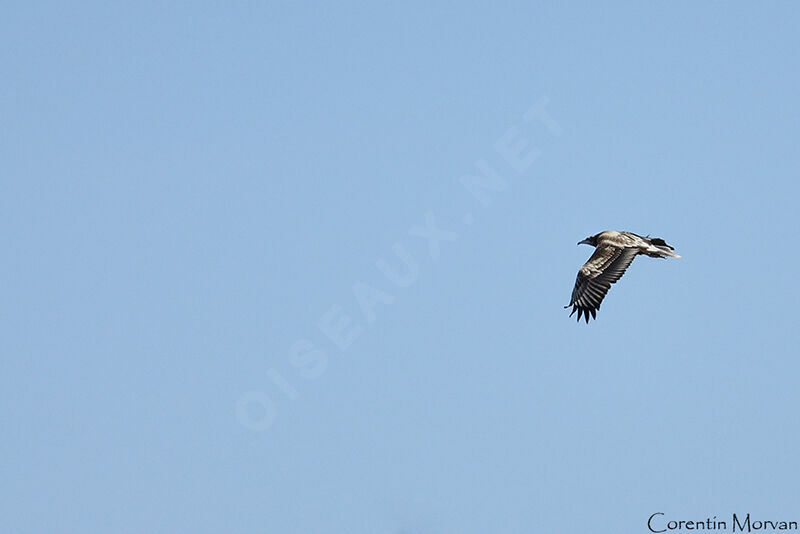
x: 614, y: 252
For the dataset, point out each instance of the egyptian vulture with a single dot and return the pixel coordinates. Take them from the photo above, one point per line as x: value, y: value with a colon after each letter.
x: 614, y: 252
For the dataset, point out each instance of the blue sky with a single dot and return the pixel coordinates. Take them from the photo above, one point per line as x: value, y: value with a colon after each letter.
x: 190, y: 190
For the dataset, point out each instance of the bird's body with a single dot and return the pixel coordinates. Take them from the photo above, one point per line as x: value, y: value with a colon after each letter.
x: 614, y: 252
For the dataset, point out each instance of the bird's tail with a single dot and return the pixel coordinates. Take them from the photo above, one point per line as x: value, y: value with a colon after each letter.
x: 658, y: 248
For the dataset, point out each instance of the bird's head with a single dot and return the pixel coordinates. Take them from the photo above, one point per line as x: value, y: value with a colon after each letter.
x: 591, y: 240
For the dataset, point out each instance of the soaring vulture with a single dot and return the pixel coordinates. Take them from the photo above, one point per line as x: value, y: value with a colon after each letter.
x: 614, y: 252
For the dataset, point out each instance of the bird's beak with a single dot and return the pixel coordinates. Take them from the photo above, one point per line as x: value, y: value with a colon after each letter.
x: 585, y: 242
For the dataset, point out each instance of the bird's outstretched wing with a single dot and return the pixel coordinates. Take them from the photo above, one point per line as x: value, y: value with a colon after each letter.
x: 606, y: 266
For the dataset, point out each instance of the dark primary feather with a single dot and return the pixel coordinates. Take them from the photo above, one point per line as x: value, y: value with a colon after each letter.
x: 606, y: 266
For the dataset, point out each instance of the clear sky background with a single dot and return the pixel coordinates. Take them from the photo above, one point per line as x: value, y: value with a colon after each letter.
x: 189, y: 189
